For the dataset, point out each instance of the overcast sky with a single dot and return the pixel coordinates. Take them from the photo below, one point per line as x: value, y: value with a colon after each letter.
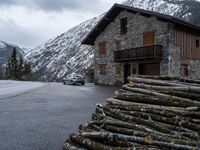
x: 29, y: 23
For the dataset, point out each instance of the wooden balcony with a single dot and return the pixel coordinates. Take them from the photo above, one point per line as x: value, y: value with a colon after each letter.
x: 153, y: 52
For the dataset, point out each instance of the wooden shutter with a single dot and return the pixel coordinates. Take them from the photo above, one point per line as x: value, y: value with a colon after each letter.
x: 118, y: 45
x: 148, y: 38
x: 102, y: 69
x: 102, y: 48
x: 118, y: 69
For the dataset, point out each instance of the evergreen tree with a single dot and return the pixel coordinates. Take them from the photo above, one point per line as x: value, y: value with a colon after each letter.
x: 27, y: 71
x: 20, y: 72
x: 14, y: 64
x: 17, y: 69
x: 8, y: 70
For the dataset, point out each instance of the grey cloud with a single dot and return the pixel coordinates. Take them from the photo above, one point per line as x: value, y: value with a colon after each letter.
x: 7, y: 2
x: 54, y: 5
x: 16, y: 34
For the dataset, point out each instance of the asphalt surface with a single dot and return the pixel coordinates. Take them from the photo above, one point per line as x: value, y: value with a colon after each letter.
x: 9, y: 88
x: 43, y: 117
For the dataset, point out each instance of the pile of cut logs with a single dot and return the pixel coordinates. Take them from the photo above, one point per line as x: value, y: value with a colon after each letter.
x: 151, y: 112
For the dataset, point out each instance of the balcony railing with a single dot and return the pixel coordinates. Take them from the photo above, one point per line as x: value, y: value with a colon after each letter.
x: 147, y: 52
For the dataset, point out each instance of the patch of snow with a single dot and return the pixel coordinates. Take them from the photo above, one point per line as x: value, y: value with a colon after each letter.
x: 2, y: 45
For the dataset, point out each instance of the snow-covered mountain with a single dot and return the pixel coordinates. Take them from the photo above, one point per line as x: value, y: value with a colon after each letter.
x: 5, y: 53
x: 187, y: 10
x: 65, y: 54
x: 154, y: 5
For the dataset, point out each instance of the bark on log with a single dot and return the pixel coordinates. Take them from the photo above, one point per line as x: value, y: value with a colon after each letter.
x: 132, y: 106
x: 125, y: 131
x: 188, y: 95
x: 161, y: 112
x: 176, y: 88
x: 166, y: 128
x: 139, y: 127
x: 173, y: 121
x: 153, y: 82
x: 163, y: 96
x: 113, y: 101
x: 148, y: 99
x: 87, y: 143
x: 121, y: 123
x: 179, y: 122
x: 178, y: 79
x: 69, y: 145
x: 147, y: 140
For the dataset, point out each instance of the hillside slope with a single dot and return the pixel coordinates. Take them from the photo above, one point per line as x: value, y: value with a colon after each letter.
x: 64, y: 54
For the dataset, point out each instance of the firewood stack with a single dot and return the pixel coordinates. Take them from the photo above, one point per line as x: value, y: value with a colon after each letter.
x: 150, y: 112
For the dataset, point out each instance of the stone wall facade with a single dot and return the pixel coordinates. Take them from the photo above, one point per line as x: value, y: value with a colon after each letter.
x: 194, y: 69
x: 137, y: 25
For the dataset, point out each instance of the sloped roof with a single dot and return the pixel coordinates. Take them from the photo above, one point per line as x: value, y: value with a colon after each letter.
x: 117, y: 8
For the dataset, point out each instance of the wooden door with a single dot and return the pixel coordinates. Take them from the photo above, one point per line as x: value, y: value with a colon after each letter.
x: 149, y: 69
x: 127, y: 72
x: 148, y: 38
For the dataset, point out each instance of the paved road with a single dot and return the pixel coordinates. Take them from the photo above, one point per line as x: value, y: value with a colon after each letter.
x: 9, y: 88
x: 43, y: 118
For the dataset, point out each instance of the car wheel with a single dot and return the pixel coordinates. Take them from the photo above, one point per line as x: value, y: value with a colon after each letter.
x: 64, y: 83
x: 83, y: 83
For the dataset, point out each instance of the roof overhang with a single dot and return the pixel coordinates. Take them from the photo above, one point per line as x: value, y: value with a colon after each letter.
x: 117, y: 8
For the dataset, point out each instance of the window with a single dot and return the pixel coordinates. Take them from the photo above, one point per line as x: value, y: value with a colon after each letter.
x: 118, y: 69
x: 185, y: 71
x: 123, y: 25
x: 118, y: 45
x: 197, y: 42
x: 102, y: 69
x: 102, y: 48
x: 148, y: 38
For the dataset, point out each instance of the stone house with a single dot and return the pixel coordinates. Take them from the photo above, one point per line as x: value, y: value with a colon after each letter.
x: 131, y: 41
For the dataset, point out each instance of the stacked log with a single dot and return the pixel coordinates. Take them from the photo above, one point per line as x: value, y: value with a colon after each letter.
x: 151, y: 112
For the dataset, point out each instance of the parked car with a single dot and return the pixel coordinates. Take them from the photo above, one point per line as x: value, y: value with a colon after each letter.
x: 74, y: 78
